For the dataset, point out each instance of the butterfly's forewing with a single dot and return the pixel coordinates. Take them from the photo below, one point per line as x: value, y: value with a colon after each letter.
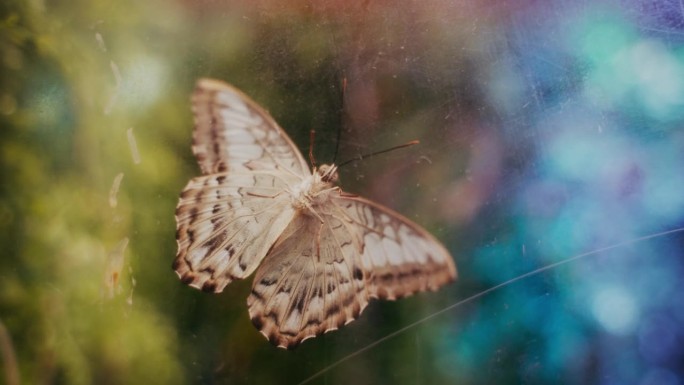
x: 228, y: 219
x: 233, y: 133
x: 226, y: 225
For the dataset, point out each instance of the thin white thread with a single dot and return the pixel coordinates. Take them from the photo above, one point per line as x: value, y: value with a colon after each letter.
x: 485, y: 292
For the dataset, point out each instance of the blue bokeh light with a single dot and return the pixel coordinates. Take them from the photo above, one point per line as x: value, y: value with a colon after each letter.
x: 606, y: 170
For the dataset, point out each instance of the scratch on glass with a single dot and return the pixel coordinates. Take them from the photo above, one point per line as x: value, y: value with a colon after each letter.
x: 115, y: 189
x: 100, y: 42
x: 115, y: 263
x: 133, y: 145
x: 115, y: 95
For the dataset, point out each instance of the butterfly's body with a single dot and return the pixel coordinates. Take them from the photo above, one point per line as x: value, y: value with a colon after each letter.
x: 320, y: 254
x: 315, y: 190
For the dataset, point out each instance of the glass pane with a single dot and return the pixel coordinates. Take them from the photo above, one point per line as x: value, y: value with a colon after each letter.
x: 549, y: 165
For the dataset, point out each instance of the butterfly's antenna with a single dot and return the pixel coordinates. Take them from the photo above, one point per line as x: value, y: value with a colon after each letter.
x: 372, y: 154
x: 312, y: 136
x: 339, y: 128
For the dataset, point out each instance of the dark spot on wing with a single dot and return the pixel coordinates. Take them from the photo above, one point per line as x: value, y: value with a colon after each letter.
x: 284, y: 289
x: 314, y: 321
x: 176, y: 264
x: 334, y: 309
x: 358, y: 274
x: 209, y: 287
x: 188, y: 278
x: 217, y: 222
x: 193, y: 215
x: 257, y: 322
x: 257, y: 295
x: 186, y: 193
x: 215, y: 242
x: 301, y: 300
x: 387, y: 277
x: 356, y: 311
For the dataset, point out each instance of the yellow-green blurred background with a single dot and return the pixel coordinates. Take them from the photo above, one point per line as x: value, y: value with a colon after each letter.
x: 547, y: 130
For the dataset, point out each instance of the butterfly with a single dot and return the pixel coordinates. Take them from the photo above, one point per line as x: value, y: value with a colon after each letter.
x: 320, y: 254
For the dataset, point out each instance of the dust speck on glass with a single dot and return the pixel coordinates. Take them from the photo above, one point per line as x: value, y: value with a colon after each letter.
x: 549, y: 166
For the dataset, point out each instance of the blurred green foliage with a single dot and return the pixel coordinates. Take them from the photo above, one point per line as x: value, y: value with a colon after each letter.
x: 60, y: 151
x: 77, y: 75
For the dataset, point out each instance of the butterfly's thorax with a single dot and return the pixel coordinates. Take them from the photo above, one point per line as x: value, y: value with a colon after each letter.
x: 315, y: 189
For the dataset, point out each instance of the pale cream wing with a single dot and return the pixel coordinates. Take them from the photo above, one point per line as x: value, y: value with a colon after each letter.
x: 233, y: 133
x: 397, y: 256
x: 310, y: 283
x: 226, y: 223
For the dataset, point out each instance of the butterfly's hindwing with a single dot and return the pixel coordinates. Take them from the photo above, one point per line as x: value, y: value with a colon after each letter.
x: 320, y: 276
x: 399, y: 258
x: 308, y: 284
